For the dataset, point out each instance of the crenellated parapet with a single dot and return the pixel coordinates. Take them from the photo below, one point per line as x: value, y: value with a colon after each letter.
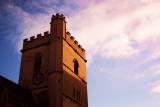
x: 57, y: 16
x: 74, y: 44
x: 36, y: 41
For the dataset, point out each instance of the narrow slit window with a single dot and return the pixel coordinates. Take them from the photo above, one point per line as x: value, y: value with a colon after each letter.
x: 76, y: 66
x: 74, y: 93
x: 37, y: 63
x: 79, y: 96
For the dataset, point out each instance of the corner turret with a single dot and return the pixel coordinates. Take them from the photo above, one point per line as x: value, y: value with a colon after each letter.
x: 58, y: 26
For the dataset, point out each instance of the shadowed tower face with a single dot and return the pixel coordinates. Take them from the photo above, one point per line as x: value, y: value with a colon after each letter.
x: 53, y: 67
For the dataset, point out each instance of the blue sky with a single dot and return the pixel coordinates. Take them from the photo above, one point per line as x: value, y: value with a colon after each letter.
x: 121, y: 39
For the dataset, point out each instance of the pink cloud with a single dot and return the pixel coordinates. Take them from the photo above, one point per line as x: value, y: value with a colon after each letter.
x: 155, y: 89
x: 128, y: 23
x: 109, y: 28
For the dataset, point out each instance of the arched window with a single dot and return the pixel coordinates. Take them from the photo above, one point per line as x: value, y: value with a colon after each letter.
x: 37, y: 63
x: 76, y: 65
x: 38, y: 76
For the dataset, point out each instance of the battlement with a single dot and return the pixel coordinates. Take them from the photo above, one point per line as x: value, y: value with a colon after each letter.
x: 58, y: 28
x: 35, y: 41
x: 57, y: 16
x: 37, y: 37
x: 74, y: 44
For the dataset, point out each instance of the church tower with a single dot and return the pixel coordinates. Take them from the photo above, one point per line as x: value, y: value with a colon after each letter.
x: 53, y: 67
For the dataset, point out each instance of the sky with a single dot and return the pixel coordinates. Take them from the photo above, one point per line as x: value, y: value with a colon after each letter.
x: 121, y: 38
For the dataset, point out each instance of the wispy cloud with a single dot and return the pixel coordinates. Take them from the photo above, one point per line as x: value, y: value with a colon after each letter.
x: 155, y: 89
x: 124, y: 29
x: 106, y: 28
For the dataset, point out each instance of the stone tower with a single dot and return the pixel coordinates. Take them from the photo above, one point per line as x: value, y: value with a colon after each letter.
x: 53, y: 67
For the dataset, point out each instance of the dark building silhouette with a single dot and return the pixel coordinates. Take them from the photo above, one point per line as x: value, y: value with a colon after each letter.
x: 52, y: 73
